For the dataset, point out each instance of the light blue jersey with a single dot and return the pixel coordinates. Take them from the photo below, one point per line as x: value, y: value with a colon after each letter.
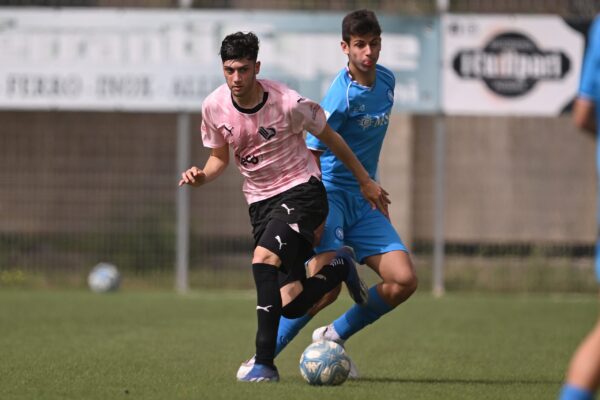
x: 589, y: 88
x: 361, y: 115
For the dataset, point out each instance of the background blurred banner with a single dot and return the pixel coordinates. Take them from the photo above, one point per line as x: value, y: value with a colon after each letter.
x: 141, y: 60
x: 509, y: 64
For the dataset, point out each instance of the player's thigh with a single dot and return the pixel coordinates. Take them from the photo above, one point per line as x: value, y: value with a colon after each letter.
x: 373, y: 234
x: 284, y: 248
x: 393, y: 267
x: 332, y: 237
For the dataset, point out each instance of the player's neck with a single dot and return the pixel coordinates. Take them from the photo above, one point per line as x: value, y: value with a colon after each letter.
x: 362, y: 78
x: 253, y: 98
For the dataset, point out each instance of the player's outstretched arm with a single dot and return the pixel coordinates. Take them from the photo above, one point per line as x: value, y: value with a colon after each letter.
x: 370, y: 189
x: 215, y: 165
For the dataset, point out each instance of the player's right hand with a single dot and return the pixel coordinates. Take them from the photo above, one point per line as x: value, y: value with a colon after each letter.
x: 377, y: 196
x: 193, y: 176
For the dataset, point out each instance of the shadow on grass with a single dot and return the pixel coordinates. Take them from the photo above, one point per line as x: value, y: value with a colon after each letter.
x: 463, y: 381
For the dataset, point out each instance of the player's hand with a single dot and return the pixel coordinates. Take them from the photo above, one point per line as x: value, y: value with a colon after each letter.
x: 377, y: 196
x: 193, y: 176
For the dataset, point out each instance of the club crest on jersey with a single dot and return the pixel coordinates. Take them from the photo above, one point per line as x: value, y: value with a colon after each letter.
x: 267, y: 133
x: 339, y: 233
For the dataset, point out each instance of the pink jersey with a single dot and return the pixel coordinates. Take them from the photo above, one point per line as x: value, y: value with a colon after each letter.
x: 267, y: 142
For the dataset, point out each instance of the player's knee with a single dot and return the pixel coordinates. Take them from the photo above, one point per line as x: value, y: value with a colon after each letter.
x: 412, y: 284
x: 265, y: 256
x: 402, y: 290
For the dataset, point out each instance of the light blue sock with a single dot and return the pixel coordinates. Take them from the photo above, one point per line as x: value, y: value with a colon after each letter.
x: 288, y: 329
x: 570, y: 392
x: 358, y: 317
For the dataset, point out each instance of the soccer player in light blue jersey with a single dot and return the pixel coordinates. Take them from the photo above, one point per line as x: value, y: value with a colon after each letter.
x: 583, y: 376
x: 358, y: 106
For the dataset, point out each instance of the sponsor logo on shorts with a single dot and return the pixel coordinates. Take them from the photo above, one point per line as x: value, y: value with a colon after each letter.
x: 288, y: 209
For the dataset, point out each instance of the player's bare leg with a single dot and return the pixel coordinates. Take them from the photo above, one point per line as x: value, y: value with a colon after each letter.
x: 583, y: 376
x: 399, y: 282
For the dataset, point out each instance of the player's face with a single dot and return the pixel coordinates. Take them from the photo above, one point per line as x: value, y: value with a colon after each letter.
x: 363, y: 51
x: 240, y: 76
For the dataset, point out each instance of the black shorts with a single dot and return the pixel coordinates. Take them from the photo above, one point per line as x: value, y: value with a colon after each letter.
x: 285, y: 224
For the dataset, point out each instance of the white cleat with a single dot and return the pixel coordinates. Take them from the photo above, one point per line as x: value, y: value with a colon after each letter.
x: 328, y: 333
x: 245, y: 368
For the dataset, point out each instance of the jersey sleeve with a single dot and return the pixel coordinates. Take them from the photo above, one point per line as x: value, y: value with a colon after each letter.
x: 591, y: 63
x: 335, y: 108
x: 211, y: 137
x: 307, y: 115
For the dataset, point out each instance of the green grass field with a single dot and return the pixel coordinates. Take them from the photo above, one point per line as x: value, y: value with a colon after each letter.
x: 159, y: 345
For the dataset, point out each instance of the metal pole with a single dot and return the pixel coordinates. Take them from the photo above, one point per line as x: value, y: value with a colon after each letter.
x: 182, y: 238
x: 438, y: 206
x: 183, y: 205
x: 439, y: 179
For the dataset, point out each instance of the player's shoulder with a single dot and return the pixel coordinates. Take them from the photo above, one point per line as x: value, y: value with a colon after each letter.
x: 342, y: 81
x: 217, y: 98
x: 278, y: 89
x: 339, y: 90
x: 385, y: 74
x: 283, y: 95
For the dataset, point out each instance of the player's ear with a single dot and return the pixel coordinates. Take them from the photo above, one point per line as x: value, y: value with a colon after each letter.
x: 345, y: 47
x: 256, y: 67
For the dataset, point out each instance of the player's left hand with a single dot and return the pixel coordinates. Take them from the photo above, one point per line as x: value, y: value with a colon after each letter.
x: 377, y: 196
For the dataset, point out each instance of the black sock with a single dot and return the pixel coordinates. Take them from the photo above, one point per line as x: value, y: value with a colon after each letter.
x: 268, y: 311
x: 315, y: 287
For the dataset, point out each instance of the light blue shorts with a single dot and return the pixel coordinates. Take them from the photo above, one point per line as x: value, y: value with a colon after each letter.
x: 352, y: 222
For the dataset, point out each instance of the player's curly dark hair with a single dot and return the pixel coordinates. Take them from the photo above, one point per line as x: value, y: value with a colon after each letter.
x: 239, y: 46
x: 359, y: 23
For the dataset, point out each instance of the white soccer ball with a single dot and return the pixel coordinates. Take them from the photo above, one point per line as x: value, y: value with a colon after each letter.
x: 324, y: 363
x: 103, y: 278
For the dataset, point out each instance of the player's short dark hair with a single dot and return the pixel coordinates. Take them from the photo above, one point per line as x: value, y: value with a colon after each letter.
x: 359, y: 23
x: 239, y: 46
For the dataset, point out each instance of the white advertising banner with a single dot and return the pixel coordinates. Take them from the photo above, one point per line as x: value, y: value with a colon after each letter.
x: 167, y: 60
x: 509, y: 64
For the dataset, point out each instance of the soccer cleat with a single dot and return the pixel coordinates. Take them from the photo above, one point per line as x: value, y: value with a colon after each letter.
x: 245, y: 367
x: 258, y: 373
x: 356, y: 287
x: 327, y: 332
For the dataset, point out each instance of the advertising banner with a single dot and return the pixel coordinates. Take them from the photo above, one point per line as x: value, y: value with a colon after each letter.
x: 509, y: 64
x: 167, y: 60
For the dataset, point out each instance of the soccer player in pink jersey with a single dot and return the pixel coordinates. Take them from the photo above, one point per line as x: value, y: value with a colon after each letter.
x: 263, y: 123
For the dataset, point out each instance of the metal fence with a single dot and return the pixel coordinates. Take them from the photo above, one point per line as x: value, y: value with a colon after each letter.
x: 78, y: 188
